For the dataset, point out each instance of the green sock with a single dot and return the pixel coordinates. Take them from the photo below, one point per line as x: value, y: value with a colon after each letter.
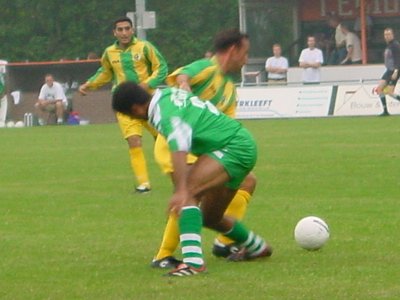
x: 252, y: 242
x: 190, y: 223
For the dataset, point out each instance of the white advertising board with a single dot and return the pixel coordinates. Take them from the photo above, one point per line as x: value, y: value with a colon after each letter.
x: 359, y: 100
x: 283, y: 102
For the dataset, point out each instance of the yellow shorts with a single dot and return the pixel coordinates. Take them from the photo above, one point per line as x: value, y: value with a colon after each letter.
x: 163, y: 155
x: 130, y: 126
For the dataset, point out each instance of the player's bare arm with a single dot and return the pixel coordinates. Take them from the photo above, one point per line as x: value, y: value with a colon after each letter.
x: 83, y: 89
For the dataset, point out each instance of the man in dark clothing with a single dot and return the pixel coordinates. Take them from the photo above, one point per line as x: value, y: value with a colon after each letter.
x: 391, y: 76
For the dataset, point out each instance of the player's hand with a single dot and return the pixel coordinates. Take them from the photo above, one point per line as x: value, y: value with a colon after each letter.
x: 83, y: 89
x: 176, y: 202
x: 375, y: 91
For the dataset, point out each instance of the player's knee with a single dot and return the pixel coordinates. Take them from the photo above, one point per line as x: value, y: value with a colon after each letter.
x: 134, y: 141
x: 212, y: 221
x: 249, y: 183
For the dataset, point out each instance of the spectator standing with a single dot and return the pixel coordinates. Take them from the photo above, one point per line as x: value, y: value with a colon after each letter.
x: 391, y: 76
x: 277, y: 66
x: 353, y: 47
x: 339, y: 53
x: 310, y: 60
x: 51, y: 99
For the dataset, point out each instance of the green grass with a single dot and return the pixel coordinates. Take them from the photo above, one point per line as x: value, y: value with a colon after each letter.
x: 70, y: 227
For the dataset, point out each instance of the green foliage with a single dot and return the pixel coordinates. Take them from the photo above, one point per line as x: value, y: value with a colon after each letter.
x: 185, y: 29
x: 71, y: 228
x: 50, y: 30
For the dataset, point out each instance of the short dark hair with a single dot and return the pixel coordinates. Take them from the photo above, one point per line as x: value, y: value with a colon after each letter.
x: 122, y: 19
x: 127, y: 94
x: 227, y: 38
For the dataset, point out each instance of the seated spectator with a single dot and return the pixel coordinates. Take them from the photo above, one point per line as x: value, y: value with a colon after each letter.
x: 353, y: 47
x: 51, y: 99
x: 276, y: 66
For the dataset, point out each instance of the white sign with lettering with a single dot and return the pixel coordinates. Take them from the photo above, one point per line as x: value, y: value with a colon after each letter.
x: 283, y: 102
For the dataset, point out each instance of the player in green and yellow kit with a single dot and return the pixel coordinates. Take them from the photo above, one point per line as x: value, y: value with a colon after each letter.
x: 136, y: 60
x: 209, y: 79
x: 226, y: 154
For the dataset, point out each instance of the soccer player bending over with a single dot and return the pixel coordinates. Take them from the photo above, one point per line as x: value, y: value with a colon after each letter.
x: 209, y: 79
x: 227, y: 153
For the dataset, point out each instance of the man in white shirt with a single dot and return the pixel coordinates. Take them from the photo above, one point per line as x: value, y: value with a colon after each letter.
x: 277, y: 66
x: 310, y: 60
x: 339, y: 53
x: 353, y: 47
x: 51, y: 98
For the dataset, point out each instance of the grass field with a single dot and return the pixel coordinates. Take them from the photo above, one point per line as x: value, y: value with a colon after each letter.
x: 71, y: 228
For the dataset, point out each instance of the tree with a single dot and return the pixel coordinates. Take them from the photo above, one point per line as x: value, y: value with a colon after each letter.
x: 46, y: 30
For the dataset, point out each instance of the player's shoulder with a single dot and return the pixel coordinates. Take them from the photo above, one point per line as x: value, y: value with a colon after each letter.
x: 202, y: 63
x: 396, y: 44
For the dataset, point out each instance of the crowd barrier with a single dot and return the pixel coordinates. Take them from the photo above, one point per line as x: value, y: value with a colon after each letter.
x: 319, y: 100
x: 333, y: 98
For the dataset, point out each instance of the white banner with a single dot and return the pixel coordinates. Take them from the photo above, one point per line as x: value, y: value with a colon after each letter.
x: 283, y: 102
x: 359, y: 100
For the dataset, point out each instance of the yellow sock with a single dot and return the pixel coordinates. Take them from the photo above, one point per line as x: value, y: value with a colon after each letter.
x: 138, y: 164
x: 170, y: 239
x: 236, y: 209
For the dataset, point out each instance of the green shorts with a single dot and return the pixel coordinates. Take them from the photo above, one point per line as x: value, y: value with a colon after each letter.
x: 238, y: 157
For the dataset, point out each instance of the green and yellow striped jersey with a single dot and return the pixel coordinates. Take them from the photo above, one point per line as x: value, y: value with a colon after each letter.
x: 209, y: 83
x: 141, y: 62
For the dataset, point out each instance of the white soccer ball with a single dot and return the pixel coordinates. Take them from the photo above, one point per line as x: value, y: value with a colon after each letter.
x: 10, y: 124
x: 19, y: 124
x: 311, y: 233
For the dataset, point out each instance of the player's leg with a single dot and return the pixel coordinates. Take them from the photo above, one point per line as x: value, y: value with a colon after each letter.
x: 170, y: 240
x: 391, y: 86
x: 60, y: 112
x: 132, y: 130
x: 224, y: 246
x: 251, y: 245
x: 205, y: 174
x: 238, y: 161
x: 40, y: 111
x: 380, y: 91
